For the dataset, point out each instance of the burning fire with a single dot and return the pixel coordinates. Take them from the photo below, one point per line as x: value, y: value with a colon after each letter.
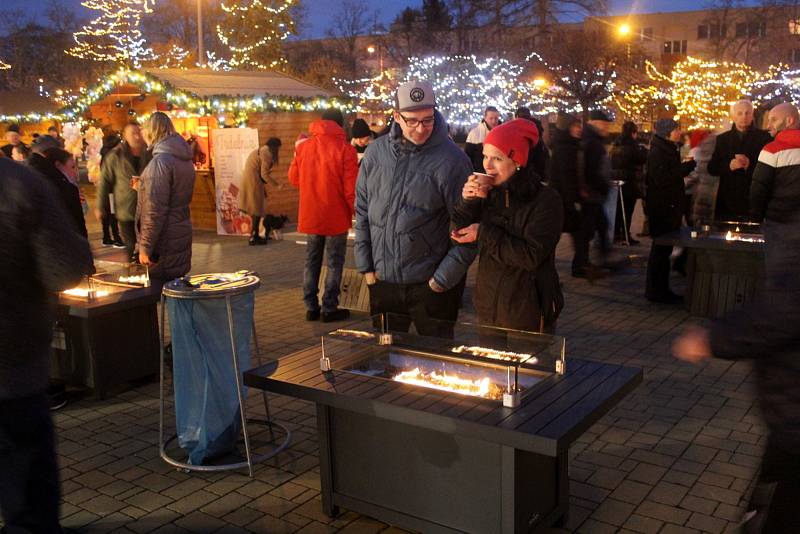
x: 494, y: 354
x: 142, y: 279
x: 730, y: 236
x: 83, y: 292
x: 482, y: 387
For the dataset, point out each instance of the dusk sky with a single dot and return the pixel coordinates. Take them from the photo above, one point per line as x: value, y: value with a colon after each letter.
x: 320, y: 10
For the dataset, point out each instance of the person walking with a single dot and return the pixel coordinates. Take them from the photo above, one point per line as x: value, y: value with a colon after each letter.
x: 474, y: 145
x: 665, y: 204
x: 409, y: 183
x: 593, y: 187
x: 256, y: 175
x: 118, y: 169
x: 565, y: 171
x: 517, y: 223
x: 734, y: 160
x: 325, y: 168
x: 42, y: 254
x: 163, y: 226
x: 627, y: 160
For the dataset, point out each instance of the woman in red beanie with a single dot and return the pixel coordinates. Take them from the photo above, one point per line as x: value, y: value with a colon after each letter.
x: 517, y: 223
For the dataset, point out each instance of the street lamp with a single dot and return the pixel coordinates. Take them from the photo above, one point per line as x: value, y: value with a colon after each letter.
x: 371, y: 50
x: 624, y: 30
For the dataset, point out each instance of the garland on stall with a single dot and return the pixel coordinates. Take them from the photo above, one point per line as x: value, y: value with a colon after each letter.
x: 237, y: 106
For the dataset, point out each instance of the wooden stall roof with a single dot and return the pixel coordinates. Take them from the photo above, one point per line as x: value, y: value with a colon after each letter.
x: 27, y: 100
x: 237, y: 83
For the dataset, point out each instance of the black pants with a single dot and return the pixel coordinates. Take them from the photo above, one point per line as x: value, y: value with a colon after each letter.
x: 593, y: 221
x: 777, y: 492
x: 128, y: 231
x: 657, y: 283
x: 29, y: 489
x: 432, y: 313
x: 110, y: 228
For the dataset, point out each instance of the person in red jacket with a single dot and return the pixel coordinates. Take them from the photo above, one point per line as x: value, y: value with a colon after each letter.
x: 324, y: 168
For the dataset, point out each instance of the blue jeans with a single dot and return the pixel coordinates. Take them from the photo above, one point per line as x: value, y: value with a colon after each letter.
x: 337, y: 246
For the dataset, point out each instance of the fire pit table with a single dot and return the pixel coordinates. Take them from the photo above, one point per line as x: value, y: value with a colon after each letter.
x: 107, y: 330
x: 465, y: 434
x: 725, y: 267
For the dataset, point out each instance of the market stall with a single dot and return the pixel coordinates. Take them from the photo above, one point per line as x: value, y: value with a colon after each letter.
x: 423, y: 431
x: 200, y: 101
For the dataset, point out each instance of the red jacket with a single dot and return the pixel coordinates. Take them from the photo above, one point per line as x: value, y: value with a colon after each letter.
x: 325, y: 168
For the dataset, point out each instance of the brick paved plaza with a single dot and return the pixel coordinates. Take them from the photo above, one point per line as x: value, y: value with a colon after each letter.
x: 677, y: 455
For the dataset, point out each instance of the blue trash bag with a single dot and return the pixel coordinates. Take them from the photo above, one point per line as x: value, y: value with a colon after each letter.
x: 207, y: 414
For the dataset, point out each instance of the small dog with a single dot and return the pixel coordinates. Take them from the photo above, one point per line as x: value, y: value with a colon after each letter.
x: 273, y: 225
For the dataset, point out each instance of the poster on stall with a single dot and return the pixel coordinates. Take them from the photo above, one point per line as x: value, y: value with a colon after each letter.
x: 230, y: 148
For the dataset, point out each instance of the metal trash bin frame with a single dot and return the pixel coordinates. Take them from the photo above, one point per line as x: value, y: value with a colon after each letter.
x: 250, y: 459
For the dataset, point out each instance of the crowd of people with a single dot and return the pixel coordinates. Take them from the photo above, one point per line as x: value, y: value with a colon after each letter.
x: 423, y: 210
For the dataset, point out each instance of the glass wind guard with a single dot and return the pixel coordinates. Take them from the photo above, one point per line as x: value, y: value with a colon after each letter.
x: 461, y: 358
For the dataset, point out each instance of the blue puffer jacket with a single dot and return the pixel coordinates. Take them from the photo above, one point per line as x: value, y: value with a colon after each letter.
x: 405, y: 196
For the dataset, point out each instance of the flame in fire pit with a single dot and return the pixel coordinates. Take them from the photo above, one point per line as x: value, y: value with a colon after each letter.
x: 731, y: 236
x: 482, y: 387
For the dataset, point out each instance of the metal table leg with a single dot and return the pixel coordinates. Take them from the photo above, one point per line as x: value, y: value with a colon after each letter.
x: 624, y: 217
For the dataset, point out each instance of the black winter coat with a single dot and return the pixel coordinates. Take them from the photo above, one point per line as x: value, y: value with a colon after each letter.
x: 733, y: 193
x: 564, y: 172
x: 597, y: 167
x: 68, y: 193
x: 665, y: 189
x: 767, y: 333
x: 41, y: 255
x: 517, y: 285
x: 627, y: 158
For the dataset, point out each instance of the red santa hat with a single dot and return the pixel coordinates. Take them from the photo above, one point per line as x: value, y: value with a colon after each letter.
x: 514, y: 139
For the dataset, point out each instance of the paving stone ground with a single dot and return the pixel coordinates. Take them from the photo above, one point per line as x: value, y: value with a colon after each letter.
x: 677, y: 455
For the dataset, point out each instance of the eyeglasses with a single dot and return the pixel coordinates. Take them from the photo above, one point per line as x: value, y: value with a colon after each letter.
x: 413, y: 123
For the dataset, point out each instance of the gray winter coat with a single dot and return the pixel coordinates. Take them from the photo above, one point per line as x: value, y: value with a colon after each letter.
x: 405, y: 196
x: 162, y: 214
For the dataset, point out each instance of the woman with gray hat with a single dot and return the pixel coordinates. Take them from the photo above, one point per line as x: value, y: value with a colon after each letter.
x: 665, y: 204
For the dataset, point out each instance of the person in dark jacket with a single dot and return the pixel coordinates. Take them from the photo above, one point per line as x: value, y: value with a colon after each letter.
x: 117, y: 169
x: 734, y: 160
x: 43, y: 159
x: 665, y: 204
x: 362, y: 136
x: 517, y: 222
x: 627, y: 159
x: 408, y: 184
x: 593, y: 186
x: 13, y: 140
x: 767, y: 333
x: 163, y: 226
x: 41, y: 256
x: 474, y: 144
x: 566, y: 163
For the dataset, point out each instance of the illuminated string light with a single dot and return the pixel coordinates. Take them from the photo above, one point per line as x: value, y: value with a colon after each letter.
x: 373, y: 96
x: 703, y: 91
x: 4, y: 65
x: 778, y: 84
x: 237, y: 107
x: 253, y: 31
x: 562, y: 93
x: 115, y: 35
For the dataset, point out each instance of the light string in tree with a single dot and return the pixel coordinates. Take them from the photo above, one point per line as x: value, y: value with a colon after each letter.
x: 115, y: 35
x: 254, y: 30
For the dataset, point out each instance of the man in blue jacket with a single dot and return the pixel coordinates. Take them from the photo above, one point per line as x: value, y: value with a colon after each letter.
x: 408, y: 184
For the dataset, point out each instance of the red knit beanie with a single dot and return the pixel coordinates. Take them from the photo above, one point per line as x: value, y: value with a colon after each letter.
x: 514, y: 139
